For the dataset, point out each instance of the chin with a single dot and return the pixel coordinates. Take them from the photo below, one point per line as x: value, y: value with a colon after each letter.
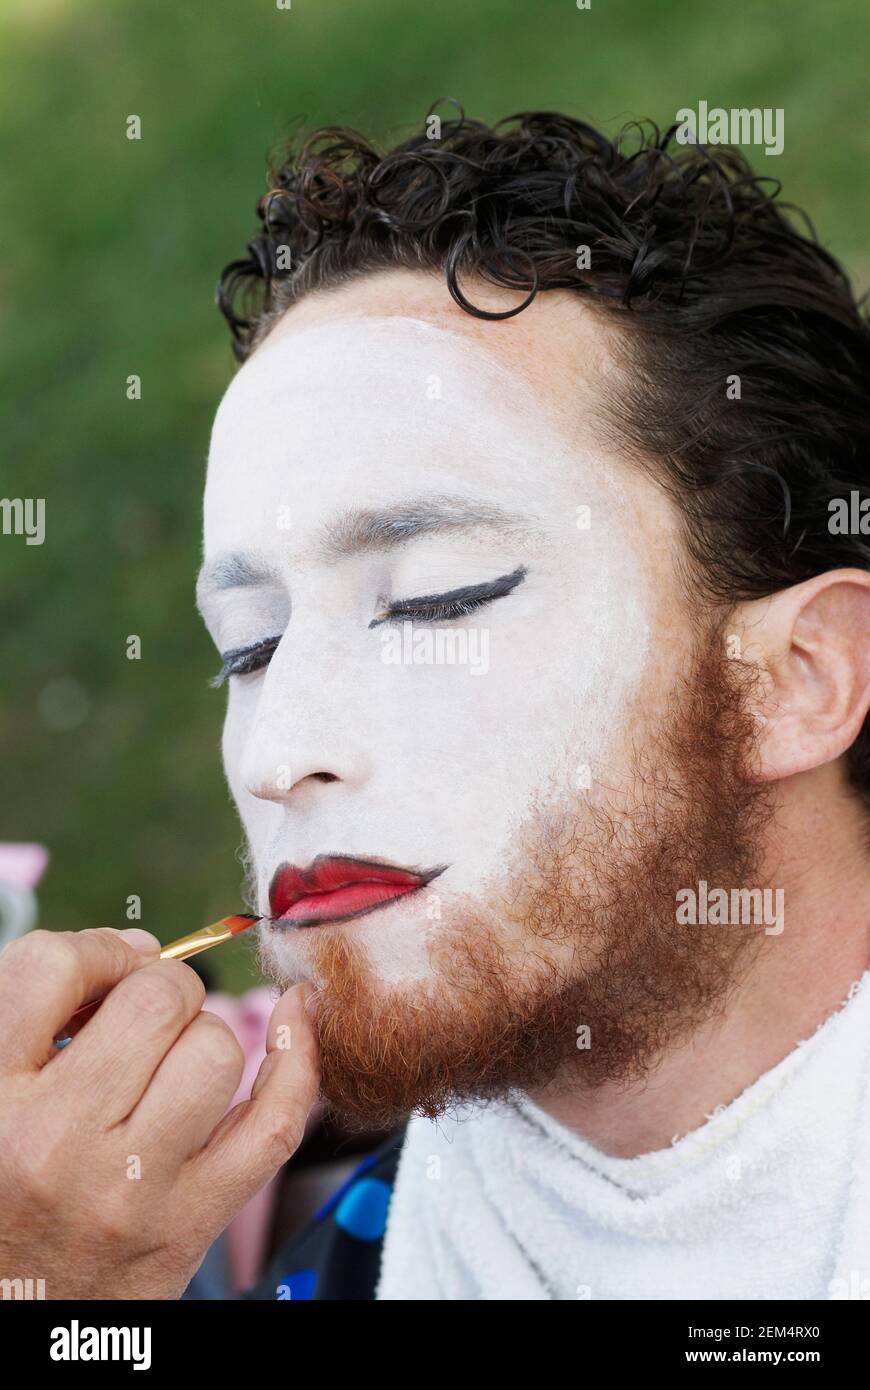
x: 396, y: 953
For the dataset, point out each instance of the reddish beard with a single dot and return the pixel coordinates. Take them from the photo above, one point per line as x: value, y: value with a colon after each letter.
x: 593, y: 904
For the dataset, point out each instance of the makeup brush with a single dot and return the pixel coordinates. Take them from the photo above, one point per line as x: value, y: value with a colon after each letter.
x: 185, y: 946
x: 206, y: 937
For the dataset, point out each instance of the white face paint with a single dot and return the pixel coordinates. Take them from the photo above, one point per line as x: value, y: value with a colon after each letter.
x: 429, y: 763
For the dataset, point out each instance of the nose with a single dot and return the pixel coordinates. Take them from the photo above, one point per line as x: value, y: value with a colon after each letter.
x: 307, y: 730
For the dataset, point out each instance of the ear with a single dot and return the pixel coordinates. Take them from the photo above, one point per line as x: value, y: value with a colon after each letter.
x: 812, y: 642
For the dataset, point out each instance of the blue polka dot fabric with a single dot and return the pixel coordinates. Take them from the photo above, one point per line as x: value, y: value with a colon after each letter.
x: 362, y: 1211
x: 338, y: 1256
x: 300, y: 1284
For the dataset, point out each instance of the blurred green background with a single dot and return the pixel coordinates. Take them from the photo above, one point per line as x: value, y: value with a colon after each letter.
x: 110, y: 253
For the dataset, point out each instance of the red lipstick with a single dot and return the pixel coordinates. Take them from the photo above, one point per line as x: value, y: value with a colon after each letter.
x: 335, y: 888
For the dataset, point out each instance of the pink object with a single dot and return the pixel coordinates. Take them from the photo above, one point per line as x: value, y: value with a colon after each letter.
x: 21, y: 864
x: 248, y: 1015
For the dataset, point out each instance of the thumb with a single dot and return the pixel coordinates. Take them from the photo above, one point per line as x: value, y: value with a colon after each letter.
x: 258, y: 1135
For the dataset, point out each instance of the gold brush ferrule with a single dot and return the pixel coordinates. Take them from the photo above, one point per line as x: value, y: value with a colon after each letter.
x: 201, y: 940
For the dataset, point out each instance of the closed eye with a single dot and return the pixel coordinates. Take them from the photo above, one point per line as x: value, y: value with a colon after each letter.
x: 241, y: 661
x: 428, y: 608
x: 456, y: 603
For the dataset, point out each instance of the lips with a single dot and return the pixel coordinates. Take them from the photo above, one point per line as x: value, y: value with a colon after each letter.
x: 335, y: 888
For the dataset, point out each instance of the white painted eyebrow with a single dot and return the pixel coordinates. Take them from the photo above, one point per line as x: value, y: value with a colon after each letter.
x: 358, y: 531
x: 384, y: 529
x: 233, y: 569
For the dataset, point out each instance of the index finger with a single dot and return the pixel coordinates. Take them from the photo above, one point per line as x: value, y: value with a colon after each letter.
x: 45, y: 976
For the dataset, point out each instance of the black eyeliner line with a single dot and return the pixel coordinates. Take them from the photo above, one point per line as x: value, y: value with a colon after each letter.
x: 469, y: 593
x: 497, y: 588
x: 237, y: 653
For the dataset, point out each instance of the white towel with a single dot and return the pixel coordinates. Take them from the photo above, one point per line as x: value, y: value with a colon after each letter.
x: 769, y: 1198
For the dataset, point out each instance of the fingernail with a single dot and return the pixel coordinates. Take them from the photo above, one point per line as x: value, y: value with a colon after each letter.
x: 140, y: 940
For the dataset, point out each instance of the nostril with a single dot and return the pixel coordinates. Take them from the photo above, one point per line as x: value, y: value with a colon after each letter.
x: 325, y: 776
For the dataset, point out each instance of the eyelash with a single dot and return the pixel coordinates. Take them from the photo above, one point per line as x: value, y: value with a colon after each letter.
x: 430, y: 610
x: 243, y: 661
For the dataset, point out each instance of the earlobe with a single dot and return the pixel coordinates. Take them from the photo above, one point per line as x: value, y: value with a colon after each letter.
x: 813, y: 644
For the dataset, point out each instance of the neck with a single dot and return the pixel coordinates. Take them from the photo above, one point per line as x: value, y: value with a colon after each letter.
x: 798, y: 979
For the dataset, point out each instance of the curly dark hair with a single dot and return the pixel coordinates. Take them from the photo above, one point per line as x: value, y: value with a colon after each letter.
x: 710, y: 278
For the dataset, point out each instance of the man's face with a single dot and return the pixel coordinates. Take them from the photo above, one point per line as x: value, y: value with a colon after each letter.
x: 469, y: 630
